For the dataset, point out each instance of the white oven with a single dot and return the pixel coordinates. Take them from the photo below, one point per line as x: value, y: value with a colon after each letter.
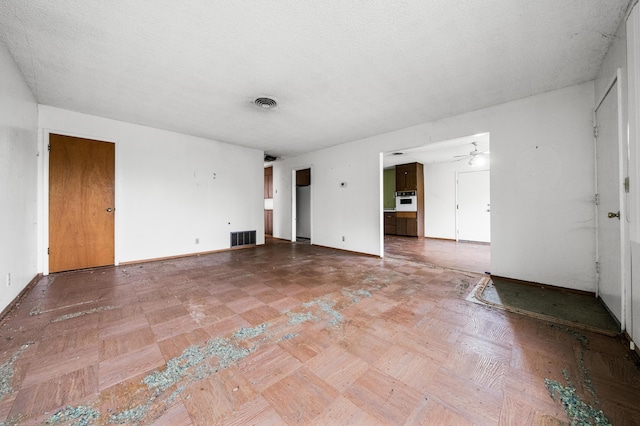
x: 406, y: 201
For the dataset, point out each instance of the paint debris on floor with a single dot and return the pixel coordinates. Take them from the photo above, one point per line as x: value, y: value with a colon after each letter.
x: 254, y: 336
x: 7, y: 372
x: 578, y: 411
x: 156, y: 392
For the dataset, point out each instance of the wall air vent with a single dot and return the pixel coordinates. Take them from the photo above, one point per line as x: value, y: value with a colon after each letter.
x: 243, y: 238
x: 268, y: 158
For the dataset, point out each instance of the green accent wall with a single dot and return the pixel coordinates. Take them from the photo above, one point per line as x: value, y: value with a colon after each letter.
x: 389, y: 188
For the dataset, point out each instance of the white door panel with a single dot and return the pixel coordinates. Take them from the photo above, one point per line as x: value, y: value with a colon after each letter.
x: 474, y: 209
x: 608, y: 176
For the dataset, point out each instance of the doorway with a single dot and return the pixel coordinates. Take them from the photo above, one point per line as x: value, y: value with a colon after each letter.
x: 81, y: 203
x: 301, y: 206
x: 268, y: 200
x: 610, y: 214
x: 442, y: 163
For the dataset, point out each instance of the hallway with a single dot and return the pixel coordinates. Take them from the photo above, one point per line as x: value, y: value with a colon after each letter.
x: 462, y: 256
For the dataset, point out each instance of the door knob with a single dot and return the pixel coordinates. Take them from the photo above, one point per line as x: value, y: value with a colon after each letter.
x: 109, y: 209
x: 611, y: 215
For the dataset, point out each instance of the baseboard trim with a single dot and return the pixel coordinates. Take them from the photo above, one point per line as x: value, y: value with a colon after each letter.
x: 16, y: 301
x: 180, y: 256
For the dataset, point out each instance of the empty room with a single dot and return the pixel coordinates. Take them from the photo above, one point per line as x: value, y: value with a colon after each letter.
x: 274, y: 213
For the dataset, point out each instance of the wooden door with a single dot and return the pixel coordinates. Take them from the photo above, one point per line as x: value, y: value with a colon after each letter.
x: 268, y: 182
x: 81, y: 203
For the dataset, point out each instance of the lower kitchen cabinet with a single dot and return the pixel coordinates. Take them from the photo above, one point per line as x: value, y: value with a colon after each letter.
x: 407, y: 224
x: 390, y: 223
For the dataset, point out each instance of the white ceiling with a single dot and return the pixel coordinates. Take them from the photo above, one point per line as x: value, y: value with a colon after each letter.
x: 340, y: 70
x: 439, y: 152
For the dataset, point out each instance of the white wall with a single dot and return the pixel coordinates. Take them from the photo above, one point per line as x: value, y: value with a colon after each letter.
x: 343, y: 211
x: 166, y: 192
x: 18, y: 181
x: 542, y: 216
x: 440, y: 197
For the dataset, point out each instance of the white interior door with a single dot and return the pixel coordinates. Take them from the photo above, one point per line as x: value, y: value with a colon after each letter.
x: 473, y: 208
x: 608, y: 209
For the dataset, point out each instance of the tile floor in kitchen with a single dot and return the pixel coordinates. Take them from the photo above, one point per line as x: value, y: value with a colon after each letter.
x: 298, y: 334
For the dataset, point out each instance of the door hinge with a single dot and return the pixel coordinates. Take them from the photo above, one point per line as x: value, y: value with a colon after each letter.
x: 457, y: 207
x: 49, y: 147
x: 597, y: 267
x: 48, y: 250
x: 596, y: 199
x: 626, y: 184
x: 595, y: 131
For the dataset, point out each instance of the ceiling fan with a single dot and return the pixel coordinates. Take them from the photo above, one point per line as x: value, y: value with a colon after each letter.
x: 473, y: 155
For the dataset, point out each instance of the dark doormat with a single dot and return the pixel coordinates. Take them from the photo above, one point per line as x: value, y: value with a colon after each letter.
x: 546, y: 303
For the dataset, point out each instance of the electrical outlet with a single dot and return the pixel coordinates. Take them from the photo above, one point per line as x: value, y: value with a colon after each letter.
x: 343, y: 238
x: 197, y: 240
x: 8, y: 279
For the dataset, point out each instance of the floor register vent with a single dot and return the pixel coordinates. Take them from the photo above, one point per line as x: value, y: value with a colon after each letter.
x: 243, y: 238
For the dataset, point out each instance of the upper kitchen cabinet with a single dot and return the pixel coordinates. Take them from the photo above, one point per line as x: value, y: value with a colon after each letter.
x: 303, y: 177
x: 408, y: 176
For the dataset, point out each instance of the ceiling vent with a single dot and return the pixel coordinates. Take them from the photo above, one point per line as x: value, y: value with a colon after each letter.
x: 265, y: 103
x: 269, y: 158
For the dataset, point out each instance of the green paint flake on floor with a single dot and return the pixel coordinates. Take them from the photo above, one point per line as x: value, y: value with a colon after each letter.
x: 6, y: 372
x: 74, y: 416
x: 579, y: 412
x: 250, y: 333
x: 131, y: 416
x: 12, y: 421
x: 355, y: 295
x: 192, y: 365
x: 326, y: 307
x: 296, y: 318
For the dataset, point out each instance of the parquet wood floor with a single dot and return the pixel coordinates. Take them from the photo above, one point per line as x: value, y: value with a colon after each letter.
x: 296, y: 334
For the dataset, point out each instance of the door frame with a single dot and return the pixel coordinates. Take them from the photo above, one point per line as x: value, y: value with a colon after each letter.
x: 623, y: 161
x: 44, y: 212
x: 294, y: 201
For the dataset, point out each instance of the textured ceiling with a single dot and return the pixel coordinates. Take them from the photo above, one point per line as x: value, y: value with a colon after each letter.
x: 340, y: 70
x: 439, y: 152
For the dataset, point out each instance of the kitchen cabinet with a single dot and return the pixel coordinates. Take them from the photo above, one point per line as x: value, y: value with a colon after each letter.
x: 407, y: 224
x: 410, y: 177
x: 407, y: 176
x: 303, y: 177
x: 390, y: 223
